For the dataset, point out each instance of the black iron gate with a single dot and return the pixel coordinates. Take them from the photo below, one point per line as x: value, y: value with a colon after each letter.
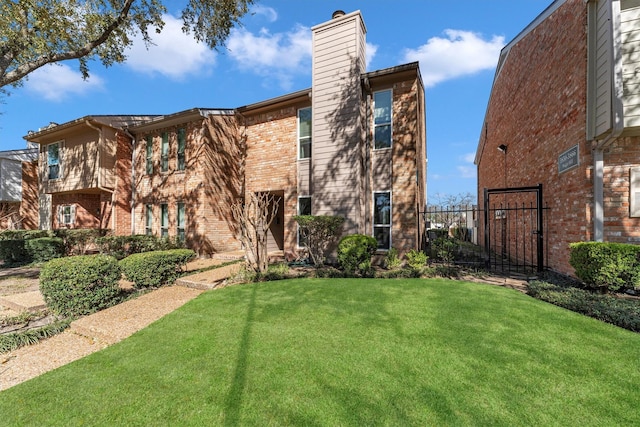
x: 514, y: 229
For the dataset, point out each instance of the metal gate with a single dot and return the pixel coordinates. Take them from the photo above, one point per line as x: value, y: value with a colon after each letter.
x: 514, y: 229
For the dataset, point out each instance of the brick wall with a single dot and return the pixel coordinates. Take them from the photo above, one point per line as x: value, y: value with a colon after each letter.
x: 122, y: 199
x: 538, y: 110
x: 89, y: 209
x: 208, y: 186
x: 271, y: 163
x: 29, y: 205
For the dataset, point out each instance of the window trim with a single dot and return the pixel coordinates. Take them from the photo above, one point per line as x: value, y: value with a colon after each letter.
x: 181, y: 136
x: 299, y: 213
x: 181, y: 230
x: 310, y: 137
x: 389, y: 123
x: 375, y: 225
x: 164, y: 152
x: 148, y: 220
x: 164, y: 226
x: 62, y: 215
x: 59, y: 162
x: 149, y: 155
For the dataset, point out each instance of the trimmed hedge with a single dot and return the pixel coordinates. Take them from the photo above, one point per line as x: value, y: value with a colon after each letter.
x: 355, y: 252
x: 606, y: 266
x: 44, y: 248
x: 79, y: 285
x: 123, y: 246
x: 624, y: 313
x: 12, y: 251
x: 156, y: 268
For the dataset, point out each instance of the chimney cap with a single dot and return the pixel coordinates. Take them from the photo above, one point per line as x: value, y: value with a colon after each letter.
x: 337, y: 14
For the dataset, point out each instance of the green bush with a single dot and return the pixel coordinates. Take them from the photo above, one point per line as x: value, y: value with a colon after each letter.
x: 606, y: 266
x: 79, y: 285
x: 78, y: 240
x: 156, y: 268
x: 392, y: 261
x: 624, y: 313
x: 43, y: 249
x: 417, y: 260
x: 355, y: 252
x: 12, y: 251
x: 123, y: 246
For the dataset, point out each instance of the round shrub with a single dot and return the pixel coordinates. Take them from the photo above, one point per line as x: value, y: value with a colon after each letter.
x: 606, y: 266
x: 156, y: 268
x: 43, y: 249
x: 79, y: 285
x: 354, y: 253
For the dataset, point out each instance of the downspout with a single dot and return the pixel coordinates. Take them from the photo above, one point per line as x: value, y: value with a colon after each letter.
x: 133, y: 180
x: 368, y: 223
x: 617, y: 118
x: 100, y: 187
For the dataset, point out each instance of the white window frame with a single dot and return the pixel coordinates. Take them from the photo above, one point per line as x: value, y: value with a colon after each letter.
x: 148, y: 219
x: 148, y: 155
x: 300, y: 138
x: 164, y: 152
x: 181, y: 158
x: 66, y: 214
x: 59, y: 163
x: 382, y: 225
x: 181, y: 225
x: 164, y: 220
x: 299, y: 213
x: 389, y: 123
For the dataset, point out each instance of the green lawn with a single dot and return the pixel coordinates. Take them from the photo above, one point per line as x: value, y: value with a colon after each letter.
x: 318, y: 352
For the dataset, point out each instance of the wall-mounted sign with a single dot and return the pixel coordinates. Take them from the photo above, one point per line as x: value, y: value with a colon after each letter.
x: 568, y: 160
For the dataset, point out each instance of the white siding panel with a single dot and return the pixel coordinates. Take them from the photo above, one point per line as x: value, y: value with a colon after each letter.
x: 630, y: 28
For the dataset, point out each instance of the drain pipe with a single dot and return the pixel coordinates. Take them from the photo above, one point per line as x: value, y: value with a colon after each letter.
x: 617, y: 118
x: 133, y: 180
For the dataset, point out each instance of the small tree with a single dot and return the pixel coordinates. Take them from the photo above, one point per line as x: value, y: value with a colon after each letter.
x: 317, y: 233
x: 255, y: 216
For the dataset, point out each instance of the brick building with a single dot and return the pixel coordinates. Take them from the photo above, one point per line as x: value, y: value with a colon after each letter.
x: 354, y: 145
x: 564, y: 112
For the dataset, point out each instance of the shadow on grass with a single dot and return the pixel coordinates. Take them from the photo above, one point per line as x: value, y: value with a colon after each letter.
x: 233, y: 401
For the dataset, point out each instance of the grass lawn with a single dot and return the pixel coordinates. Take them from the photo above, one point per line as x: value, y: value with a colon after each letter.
x: 319, y: 352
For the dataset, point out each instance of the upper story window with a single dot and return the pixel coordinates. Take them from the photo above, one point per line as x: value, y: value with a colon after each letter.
x: 382, y: 114
x: 149, y: 157
x: 53, y: 160
x: 181, y: 146
x: 180, y: 221
x: 382, y: 219
x: 304, y: 133
x: 164, y: 159
x: 148, y: 221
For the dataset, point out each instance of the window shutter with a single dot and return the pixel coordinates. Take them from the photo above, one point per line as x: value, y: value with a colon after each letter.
x: 60, y: 215
x: 73, y: 214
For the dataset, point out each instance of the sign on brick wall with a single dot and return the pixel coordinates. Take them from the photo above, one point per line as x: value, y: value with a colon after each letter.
x: 568, y: 160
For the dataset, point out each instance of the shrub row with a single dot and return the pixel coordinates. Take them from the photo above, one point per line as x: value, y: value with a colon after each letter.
x: 80, y: 285
x: 157, y: 268
x: 606, y: 266
x: 620, y: 312
x: 41, y: 249
x: 123, y: 246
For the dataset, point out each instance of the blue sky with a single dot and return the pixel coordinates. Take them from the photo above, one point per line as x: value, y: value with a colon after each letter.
x: 457, y: 44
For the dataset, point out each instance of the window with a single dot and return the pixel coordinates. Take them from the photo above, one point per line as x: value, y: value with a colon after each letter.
x: 181, y: 145
x: 180, y: 221
x: 53, y: 161
x: 304, y: 208
x: 164, y: 160
x: 164, y: 220
x: 66, y: 215
x: 382, y: 219
x: 382, y: 119
x: 148, y: 224
x: 304, y: 133
x: 149, y: 154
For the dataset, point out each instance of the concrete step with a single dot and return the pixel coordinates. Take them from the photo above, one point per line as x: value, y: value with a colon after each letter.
x: 210, y: 279
x: 26, y: 301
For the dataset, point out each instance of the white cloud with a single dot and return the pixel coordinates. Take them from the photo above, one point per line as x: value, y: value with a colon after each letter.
x: 55, y: 82
x: 279, y: 56
x: 268, y: 12
x: 370, y: 53
x: 468, y: 169
x: 457, y: 54
x: 173, y: 53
